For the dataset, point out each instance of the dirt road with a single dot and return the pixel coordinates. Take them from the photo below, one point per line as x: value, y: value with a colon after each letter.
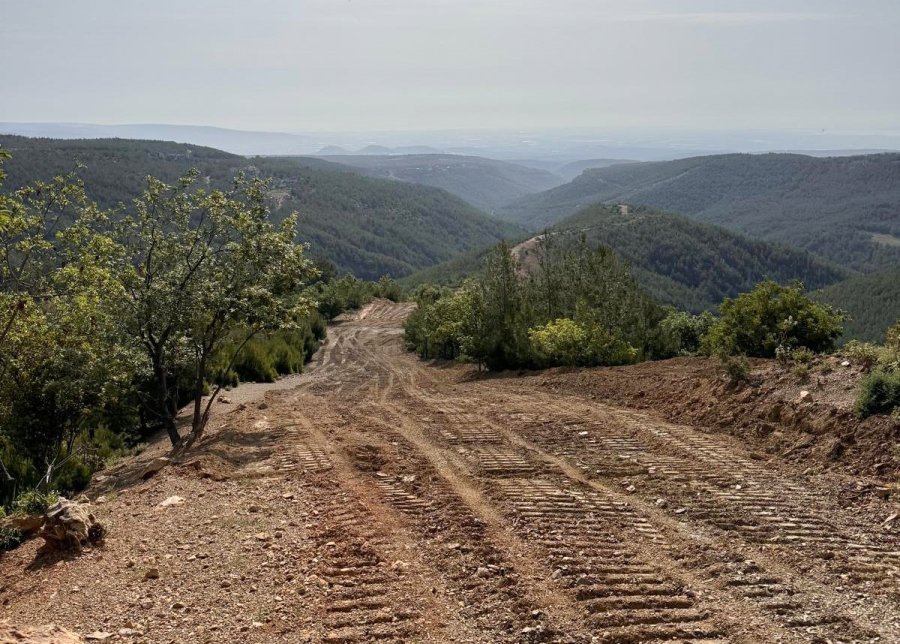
x: 419, y: 503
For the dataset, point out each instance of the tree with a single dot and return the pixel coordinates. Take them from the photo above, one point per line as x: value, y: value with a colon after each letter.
x: 769, y: 317
x: 563, y: 341
x: 204, y: 272
x: 58, y: 364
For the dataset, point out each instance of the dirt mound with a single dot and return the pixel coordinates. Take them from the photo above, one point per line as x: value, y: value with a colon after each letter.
x: 806, y: 420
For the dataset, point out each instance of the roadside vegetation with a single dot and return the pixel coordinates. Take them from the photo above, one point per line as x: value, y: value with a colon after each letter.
x: 112, y: 320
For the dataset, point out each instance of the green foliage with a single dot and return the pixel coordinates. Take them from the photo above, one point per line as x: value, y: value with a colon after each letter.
x: 872, y: 303
x: 202, y: 267
x: 879, y: 393
x: 34, y: 502
x: 561, y: 341
x: 832, y: 207
x: 365, y: 226
x: 10, y: 538
x: 566, y: 342
x: 578, y: 305
x: 802, y: 355
x: 680, y: 262
x: 864, y: 354
x: 682, y: 332
x: 737, y: 369
x: 772, y: 316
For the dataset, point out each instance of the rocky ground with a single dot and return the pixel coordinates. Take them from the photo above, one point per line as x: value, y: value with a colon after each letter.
x: 379, y: 498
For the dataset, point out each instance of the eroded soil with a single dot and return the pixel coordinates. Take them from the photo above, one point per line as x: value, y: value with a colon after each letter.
x: 388, y: 499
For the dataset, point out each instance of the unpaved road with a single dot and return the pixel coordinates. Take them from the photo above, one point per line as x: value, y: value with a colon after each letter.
x: 418, y: 503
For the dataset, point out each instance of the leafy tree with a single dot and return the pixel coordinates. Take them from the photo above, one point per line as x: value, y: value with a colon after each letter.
x: 202, y: 269
x: 562, y: 341
x: 59, y: 365
x: 683, y: 332
x: 772, y: 316
x: 576, y: 305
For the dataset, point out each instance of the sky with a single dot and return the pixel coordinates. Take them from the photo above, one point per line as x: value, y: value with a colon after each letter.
x: 394, y: 65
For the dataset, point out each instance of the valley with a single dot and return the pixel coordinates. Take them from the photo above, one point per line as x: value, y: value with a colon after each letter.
x: 388, y: 499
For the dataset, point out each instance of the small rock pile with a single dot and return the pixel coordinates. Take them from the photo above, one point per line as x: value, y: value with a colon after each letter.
x: 70, y: 525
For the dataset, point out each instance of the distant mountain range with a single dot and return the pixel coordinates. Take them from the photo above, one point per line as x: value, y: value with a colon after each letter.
x: 548, y: 149
x: 485, y: 183
x: 370, y: 227
x: 846, y: 209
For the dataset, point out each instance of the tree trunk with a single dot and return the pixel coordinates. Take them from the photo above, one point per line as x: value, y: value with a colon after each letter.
x: 163, y: 408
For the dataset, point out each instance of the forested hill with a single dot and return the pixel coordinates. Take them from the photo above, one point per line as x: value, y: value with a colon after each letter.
x: 485, y: 183
x: 682, y: 262
x: 872, y: 303
x: 846, y: 209
x: 370, y: 227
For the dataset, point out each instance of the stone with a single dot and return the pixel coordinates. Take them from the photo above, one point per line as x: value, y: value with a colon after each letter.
x: 70, y: 525
x: 151, y: 573
x: 98, y: 636
x: 49, y: 634
x: 483, y: 572
x: 845, y: 363
x: 155, y: 466
x: 172, y: 500
x: 28, y: 524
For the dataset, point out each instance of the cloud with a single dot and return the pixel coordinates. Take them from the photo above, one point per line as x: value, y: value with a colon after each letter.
x: 724, y: 17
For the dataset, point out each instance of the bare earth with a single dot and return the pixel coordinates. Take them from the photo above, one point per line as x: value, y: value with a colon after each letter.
x: 387, y: 499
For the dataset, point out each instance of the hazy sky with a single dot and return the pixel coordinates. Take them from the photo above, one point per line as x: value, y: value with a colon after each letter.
x: 362, y: 65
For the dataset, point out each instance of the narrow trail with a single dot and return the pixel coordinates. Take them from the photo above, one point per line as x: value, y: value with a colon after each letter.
x: 418, y: 503
x: 574, y: 521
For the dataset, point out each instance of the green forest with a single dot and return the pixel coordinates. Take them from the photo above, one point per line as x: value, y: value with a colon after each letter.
x: 834, y: 207
x: 577, y: 304
x: 365, y: 226
x: 680, y: 262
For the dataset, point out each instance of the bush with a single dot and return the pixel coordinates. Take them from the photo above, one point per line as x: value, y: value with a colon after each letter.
x: 801, y: 371
x: 561, y: 341
x: 866, y: 354
x: 757, y: 323
x: 683, y: 331
x: 802, y: 356
x: 879, y: 393
x: 10, y: 538
x: 737, y: 368
x: 34, y: 502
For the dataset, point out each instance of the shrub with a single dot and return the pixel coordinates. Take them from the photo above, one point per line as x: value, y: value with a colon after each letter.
x: 34, y: 502
x: 737, y: 368
x: 684, y: 331
x: 769, y: 316
x: 865, y: 354
x: 10, y: 538
x: 561, y: 341
x: 801, y: 371
x: 802, y: 356
x: 879, y: 393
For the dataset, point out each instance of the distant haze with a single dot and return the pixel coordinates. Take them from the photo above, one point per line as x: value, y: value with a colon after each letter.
x: 308, y: 66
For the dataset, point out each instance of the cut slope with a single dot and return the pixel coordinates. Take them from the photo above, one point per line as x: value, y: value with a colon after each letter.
x: 485, y: 183
x: 367, y: 226
x: 829, y: 206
